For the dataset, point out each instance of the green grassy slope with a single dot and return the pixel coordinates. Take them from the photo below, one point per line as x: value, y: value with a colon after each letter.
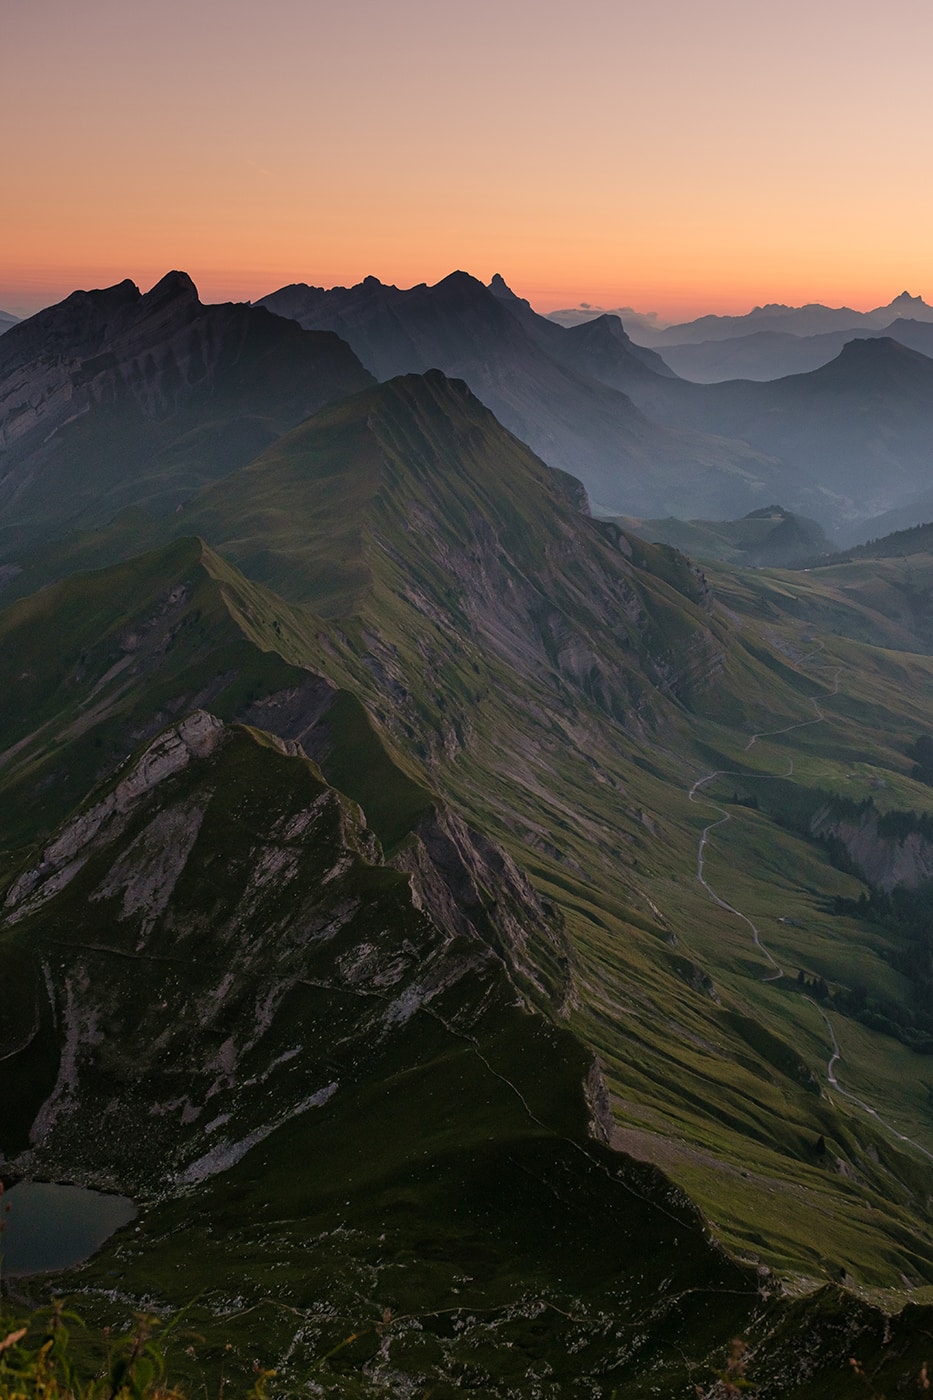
x: 563, y: 686
x: 571, y: 744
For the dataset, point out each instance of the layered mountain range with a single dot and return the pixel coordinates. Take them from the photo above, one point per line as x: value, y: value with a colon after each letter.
x: 574, y: 408
x: 773, y: 354
x: 841, y: 444
x: 190, y: 392
x: 770, y: 341
x: 425, y: 898
x: 809, y: 320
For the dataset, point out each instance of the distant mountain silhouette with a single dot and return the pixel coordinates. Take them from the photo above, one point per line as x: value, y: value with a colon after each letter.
x: 7, y: 319
x: 643, y: 324
x: 600, y: 348
x: 115, y: 398
x: 860, y: 426
x: 770, y: 537
x: 812, y: 319
x: 774, y: 354
x: 541, y: 382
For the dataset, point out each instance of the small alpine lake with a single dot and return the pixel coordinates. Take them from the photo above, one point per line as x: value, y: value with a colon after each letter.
x: 51, y: 1227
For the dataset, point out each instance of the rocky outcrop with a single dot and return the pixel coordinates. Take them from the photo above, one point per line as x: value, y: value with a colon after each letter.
x: 205, y: 928
x: 885, y: 862
x: 195, y: 736
x: 466, y: 882
x: 470, y: 884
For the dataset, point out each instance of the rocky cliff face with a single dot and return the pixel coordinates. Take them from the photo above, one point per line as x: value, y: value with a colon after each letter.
x: 110, y: 380
x: 104, y: 821
x: 221, y: 947
x: 155, y: 350
x: 471, y: 885
x: 465, y: 882
x: 885, y: 862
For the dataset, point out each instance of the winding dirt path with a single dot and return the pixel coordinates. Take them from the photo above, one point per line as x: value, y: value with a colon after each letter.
x: 777, y: 971
x: 835, y: 1058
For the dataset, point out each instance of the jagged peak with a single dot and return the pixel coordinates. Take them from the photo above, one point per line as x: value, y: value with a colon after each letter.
x: 125, y: 291
x: 172, y: 287
x: 500, y: 288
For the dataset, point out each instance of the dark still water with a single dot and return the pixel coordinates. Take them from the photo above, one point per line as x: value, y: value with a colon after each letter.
x: 54, y: 1227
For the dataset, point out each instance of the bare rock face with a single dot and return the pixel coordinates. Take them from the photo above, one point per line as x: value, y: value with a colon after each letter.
x: 217, y: 938
x: 195, y: 736
x: 469, y: 883
x: 885, y: 862
x: 464, y: 881
x: 220, y: 944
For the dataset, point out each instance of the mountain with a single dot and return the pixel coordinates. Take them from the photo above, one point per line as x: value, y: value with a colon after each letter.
x: 114, y: 398
x: 429, y: 902
x: 599, y: 348
x: 335, y: 1059
x: 340, y: 976
x: 641, y: 322
x: 772, y: 355
x: 899, y: 544
x: 812, y: 319
x: 576, y: 424
x: 7, y: 321
x: 363, y: 493
x: 771, y: 537
x: 602, y: 349
x: 858, y: 428
x: 913, y: 515
x: 759, y: 355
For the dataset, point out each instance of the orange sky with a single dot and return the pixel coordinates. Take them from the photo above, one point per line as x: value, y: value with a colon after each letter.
x: 700, y: 155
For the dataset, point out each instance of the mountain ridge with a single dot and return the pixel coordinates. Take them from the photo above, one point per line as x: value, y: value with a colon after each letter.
x: 500, y: 845
x: 811, y: 319
x: 179, y: 391
x: 575, y: 423
x: 857, y: 427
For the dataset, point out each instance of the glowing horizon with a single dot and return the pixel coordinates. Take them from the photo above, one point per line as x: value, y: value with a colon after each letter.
x: 691, y: 160
x: 213, y: 286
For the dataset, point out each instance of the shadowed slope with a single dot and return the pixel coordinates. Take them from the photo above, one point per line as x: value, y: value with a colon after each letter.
x: 114, y: 399
x: 570, y: 419
x: 859, y: 427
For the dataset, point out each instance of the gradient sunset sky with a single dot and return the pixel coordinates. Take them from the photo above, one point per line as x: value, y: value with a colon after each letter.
x: 691, y: 156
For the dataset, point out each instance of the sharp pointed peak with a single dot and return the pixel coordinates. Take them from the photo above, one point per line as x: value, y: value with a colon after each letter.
x: 500, y: 288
